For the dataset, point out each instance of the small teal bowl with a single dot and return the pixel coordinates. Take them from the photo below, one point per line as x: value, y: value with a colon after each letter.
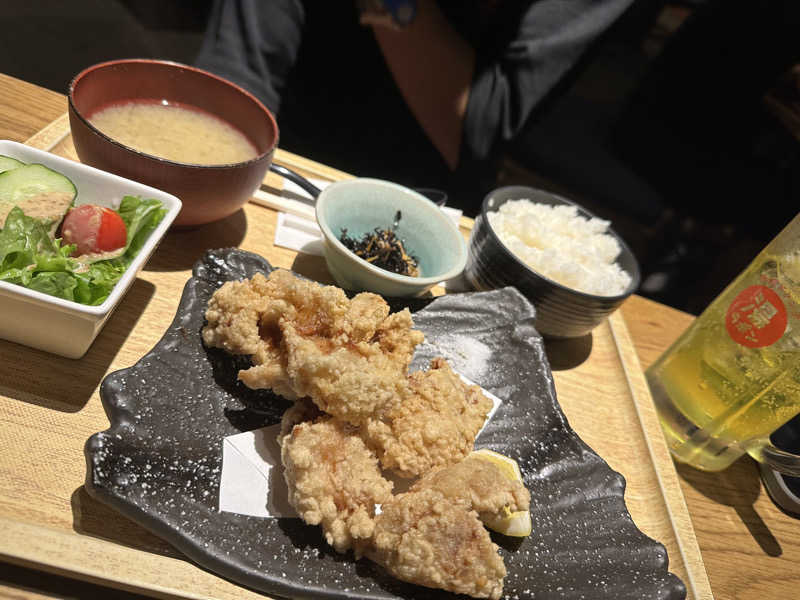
x: 362, y: 205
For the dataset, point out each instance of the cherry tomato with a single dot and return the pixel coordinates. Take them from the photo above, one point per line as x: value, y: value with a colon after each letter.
x: 93, y: 229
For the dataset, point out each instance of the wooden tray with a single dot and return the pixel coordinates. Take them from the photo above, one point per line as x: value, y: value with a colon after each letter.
x: 49, y: 406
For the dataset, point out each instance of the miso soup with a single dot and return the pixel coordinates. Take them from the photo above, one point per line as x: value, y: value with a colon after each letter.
x: 174, y: 132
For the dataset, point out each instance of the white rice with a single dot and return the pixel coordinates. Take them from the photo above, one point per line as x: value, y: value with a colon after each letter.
x: 562, y: 245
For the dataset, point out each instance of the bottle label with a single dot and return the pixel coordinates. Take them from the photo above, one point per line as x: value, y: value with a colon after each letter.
x: 757, y: 317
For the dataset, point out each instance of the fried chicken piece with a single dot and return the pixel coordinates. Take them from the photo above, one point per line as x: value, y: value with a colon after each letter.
x: 303, y: 410
x: 333, y: 479
x: 434, y: 424
x: 355, y: 367
x: 424, y: 538
x: 478, y: 485
x: 233, y: 315
x: 242, y: 318
x: 305, y: 339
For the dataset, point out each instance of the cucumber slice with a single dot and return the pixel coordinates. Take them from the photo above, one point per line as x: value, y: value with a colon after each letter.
x: 40, y: 192
x: 7, y: 163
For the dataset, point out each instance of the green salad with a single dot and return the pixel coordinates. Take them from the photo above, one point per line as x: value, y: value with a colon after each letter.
x: 31, y: 256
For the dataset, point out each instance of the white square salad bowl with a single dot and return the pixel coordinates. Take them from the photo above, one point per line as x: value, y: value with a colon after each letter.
x: 61, y: 326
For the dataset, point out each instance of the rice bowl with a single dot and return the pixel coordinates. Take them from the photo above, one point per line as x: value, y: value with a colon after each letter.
x: 563, y: 245
x: 561, y: 311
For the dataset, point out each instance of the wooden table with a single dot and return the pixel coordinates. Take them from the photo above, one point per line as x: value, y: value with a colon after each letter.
x: 749, y: 547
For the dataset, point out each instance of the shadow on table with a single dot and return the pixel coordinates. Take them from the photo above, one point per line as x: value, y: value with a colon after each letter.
x: 92, y: 517
x: 567, y: 354
x: 68, y: 383
x: 41, y: 584
x: 738, y: 486
x: 313, y: 267
x: 182, y: 247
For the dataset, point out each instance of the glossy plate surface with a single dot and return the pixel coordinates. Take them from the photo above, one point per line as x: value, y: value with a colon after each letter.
x: 160, y: 461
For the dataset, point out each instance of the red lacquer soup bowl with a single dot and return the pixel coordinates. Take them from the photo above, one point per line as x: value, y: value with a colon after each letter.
x: 208, y: 192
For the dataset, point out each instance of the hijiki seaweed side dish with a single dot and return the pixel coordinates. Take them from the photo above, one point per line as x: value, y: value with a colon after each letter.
x: 382, y: 248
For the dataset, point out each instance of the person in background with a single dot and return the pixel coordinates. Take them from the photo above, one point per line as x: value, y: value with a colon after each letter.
x: 426, y: 93
x: 698, y: 130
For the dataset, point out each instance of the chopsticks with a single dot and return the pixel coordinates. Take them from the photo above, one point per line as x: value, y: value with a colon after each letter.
x: 272, y: 195
x: 283, y: 201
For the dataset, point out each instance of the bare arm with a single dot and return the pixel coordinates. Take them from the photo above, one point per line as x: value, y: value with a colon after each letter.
x: 433, y: 67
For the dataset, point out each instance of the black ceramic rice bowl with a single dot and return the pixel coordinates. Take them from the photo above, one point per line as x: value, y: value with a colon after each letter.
x: 561, y: 312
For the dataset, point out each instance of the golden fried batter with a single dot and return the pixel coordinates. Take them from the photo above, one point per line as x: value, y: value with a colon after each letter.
x: 302, y: 410
x: 434, y: 424
x: 351, y: 376
x: 242, y: 318
x: 333, y: 480
x: 478, y: 485
x: 349, y: 356
x: 424, y: 538
x: 232, y: 314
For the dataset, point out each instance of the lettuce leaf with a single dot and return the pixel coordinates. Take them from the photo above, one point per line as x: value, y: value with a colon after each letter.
x: 30, y: 257
x: 141, y: 217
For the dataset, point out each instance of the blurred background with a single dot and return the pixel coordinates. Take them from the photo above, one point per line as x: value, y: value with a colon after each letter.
x: 681, y: 126
x: 47, y: 42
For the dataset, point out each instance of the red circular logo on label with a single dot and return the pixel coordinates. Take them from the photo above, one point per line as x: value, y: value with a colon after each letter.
x: 756, y: 318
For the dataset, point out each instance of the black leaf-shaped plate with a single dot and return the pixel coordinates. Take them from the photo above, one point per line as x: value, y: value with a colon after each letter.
x: 160, y: 461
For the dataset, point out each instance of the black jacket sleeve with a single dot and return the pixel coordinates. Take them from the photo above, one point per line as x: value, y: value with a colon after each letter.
x: 254, y: 43
x: 513, y: 76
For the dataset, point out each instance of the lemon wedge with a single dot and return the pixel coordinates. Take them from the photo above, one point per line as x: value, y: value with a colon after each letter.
x: 517, y: 523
